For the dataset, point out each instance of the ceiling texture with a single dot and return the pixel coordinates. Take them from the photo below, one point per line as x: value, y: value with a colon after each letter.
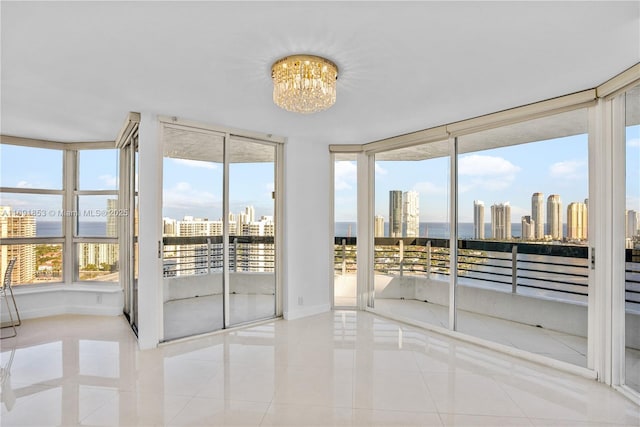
x: 71, y: 71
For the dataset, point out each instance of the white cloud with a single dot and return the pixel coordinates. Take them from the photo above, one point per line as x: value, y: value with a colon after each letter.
x: 570, y: 169
x: 345, y: 174
x: 182, y: 195
x: 427, y: 187
x: 486, y: 172
x: 479, y: 165
x: 633, y: 142
x: 380, y: 170
x: 108, y: 180
x: 24, y: 184
x: 195, y: 163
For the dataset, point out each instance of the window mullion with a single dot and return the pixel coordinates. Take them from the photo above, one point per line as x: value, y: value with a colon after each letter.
x: 70, y: 174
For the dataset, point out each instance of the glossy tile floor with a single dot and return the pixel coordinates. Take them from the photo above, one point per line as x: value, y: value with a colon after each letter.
x: 545, y: 342
x: 337, y: 368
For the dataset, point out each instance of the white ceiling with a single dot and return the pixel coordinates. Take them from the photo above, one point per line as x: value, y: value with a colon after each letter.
x: 71, y: 71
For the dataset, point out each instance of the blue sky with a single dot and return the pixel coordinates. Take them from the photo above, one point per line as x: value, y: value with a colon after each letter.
x: 195, y: 188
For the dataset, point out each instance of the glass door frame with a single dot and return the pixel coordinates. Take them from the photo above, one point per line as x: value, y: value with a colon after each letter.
x: 228, y: 135
x: 127, y: 142
x: 613, y: 114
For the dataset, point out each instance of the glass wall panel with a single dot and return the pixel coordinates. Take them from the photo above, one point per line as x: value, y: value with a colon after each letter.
x: 193, y: 170
x: 30, y: 167
x: 35, y: 263
x: 632, y: 241
x: 98, y: 169
x: 345, y: 290
x: 31, y: 215
x: 98, y: 262
x: 98, y: 216
x: 412, y: 231
x: 252, y: 222
x: 523, y: 243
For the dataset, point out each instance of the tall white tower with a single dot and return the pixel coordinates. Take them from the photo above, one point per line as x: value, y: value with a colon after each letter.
x: 577, y: 221
x: 478, y: 219
x: 537, y: 214
x: 395, y: 213
x: 411, y: 214
x: 554, y: 217
x: 501, y: 221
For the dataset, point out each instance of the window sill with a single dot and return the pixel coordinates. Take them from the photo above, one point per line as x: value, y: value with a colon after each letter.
x: 74, y: 287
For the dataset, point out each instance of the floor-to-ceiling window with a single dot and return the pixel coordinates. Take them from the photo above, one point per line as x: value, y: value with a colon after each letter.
x: 219, y: 229
x: 523, y: 235
x: 252, y: 225
x: 632, y: 238
x: 412, y: 231
x: 345, y: 214
x: 192, y: 231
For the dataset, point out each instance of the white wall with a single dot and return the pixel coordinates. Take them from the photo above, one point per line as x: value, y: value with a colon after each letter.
x: 52, y: 300
x: 307, y: 230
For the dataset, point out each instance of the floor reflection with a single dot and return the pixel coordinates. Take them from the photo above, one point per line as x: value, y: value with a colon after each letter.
x: 343, y: 367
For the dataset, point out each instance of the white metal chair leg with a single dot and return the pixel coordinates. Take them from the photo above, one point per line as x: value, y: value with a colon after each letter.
x: 3, y: 294
x: 12, y: 325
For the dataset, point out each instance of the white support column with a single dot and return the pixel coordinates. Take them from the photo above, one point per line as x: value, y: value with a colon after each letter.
x: 70, y: 174
x: 365, y: 244
x: 601, y: 241
x: 615, y: 112
x: 150, y: 233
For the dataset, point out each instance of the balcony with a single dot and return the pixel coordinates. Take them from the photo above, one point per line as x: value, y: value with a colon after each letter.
x: 504, y: 287
x: 193, y: 274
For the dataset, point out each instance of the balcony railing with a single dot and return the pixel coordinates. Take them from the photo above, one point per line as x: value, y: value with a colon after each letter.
x: 558, y: 269
x: 185, y: 256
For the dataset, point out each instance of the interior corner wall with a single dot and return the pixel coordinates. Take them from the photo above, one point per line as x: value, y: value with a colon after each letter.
x: 307, y: 249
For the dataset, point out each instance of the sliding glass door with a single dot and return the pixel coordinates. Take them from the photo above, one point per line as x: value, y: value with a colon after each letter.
x: 632, y: 238
x: 219, y: 230
x: 251, y: 224
x: 192, y: 231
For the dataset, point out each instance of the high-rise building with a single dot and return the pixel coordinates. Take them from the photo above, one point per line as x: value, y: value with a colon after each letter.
x: 501, y: 221
x: 537, y: 214
x: 528, y: 228
x: 378, y: 226
x: 99, y: 254
x: 14, y: 224
x: 169, y: 227
x: 411, y: 214
x: 395, y: 213
x: 632, y: 223
x: 112, y: 219
x: 478, y: 219
x: 577, y: 221
x: 554, y: 217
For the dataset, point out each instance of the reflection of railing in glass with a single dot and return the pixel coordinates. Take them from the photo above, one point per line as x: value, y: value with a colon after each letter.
x: 185, y: 256
x: 559, y: 269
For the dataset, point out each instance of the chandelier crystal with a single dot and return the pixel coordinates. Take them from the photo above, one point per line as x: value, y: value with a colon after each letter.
x: 304, y: 83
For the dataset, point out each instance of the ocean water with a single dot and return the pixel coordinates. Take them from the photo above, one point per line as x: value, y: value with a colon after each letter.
x: 436, y: 230
x: 85, y: 228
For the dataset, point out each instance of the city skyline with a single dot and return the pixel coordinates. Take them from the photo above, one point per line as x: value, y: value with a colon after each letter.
x: 556, y: 166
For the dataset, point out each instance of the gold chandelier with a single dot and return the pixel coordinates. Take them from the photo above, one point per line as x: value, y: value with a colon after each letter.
x: 304, y: 83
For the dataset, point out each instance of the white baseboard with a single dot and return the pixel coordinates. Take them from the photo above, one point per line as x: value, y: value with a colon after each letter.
x: 299, y: 313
